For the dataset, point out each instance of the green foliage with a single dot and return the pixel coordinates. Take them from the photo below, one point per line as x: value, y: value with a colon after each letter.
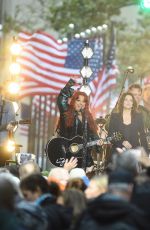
x: 84, y: 14
x: 133, y: 48
x: 132, y: 40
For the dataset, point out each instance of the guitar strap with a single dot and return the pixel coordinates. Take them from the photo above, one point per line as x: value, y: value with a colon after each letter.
x: 1, y: 112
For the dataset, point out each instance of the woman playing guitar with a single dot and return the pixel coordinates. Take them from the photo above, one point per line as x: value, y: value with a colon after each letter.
x: 74, y: 116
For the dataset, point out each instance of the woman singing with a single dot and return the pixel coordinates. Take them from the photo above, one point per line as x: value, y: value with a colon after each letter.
x: 75, y: 118
x: 129, y: 123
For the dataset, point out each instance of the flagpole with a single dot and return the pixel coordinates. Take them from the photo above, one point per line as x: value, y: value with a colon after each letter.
x: 31, y: 132
x: 44, y: 131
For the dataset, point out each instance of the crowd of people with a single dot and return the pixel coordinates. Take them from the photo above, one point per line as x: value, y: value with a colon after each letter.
x: 68, y: 198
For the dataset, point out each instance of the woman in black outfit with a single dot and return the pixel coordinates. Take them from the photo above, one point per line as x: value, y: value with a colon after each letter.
x: 74, y: 115
x: 129, y: 123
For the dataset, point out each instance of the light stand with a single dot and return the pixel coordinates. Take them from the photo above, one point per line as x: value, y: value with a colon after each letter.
x: 86, y: 72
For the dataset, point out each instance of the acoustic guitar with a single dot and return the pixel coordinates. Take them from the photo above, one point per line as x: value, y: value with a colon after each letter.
x: 60, y: 148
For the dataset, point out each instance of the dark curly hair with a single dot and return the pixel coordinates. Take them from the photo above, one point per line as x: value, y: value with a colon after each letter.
x: 121, y: 102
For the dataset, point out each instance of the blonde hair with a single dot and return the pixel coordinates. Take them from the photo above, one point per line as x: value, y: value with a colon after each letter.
x: 101, y: 181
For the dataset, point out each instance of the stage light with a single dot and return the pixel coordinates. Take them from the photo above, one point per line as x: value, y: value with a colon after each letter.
x: 15, y: 49
x: 59, y: 41
x: 82, y: 34
x: 65, y: 39
x: 77, y: 36
x: 86, y: 72
x: 13, y: 88
x: 99, y: 28
x: 86, y: 89
x: 104, y: 27
x: 10, y: 146
x: 88, y: 31
x: 71, y: 26
x: 87, y: 52
x: 14, y: 68
x: 94, y: 30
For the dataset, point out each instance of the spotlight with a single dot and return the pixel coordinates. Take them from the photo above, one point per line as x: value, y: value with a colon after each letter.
x: 59, y: 41
x: 77, y: 36
x: 65, y: 39
x: 14, y: 68
x: 71, y: 26
x: 10, y: 146
x: 86, y: 89
x: 86, y: 72
x: 13, y: 88
x: 15, y: 49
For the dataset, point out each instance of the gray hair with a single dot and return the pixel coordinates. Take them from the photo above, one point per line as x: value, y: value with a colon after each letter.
x: 126, y: 160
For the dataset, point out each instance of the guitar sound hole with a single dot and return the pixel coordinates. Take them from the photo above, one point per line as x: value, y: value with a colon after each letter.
x: 74, y: 148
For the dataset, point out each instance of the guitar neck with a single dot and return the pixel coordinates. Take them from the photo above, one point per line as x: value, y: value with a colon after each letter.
x: 91, y: 143
x: 105, y: 141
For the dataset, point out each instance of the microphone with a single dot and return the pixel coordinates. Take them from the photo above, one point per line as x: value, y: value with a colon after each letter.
x: 82, y: 110
x: 130, y: 69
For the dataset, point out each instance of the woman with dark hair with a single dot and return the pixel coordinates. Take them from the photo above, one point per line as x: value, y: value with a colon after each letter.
x: 75, y: 118
x: 129, y: 123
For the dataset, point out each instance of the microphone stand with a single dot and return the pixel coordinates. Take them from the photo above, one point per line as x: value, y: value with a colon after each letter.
x: 84, y: 161
x: 123, y: 85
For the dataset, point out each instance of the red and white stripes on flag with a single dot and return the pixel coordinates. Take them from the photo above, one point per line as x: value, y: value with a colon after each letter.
x: 101, y: 88
x: 105, y: 82
x: 42, y: 64
x: 43, y: 70
x: 47, y: 103
x: 43, y: 106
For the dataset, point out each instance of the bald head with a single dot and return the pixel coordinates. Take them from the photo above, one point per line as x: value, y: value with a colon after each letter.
x: 28, y: 168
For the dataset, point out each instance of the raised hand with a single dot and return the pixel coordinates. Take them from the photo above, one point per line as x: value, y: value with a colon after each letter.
x: 70, y: 164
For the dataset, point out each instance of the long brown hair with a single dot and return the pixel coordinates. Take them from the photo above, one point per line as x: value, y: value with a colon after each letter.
x: 71, y: 111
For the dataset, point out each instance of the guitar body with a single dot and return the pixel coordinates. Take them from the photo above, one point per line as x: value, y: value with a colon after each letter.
x: 60, y: 148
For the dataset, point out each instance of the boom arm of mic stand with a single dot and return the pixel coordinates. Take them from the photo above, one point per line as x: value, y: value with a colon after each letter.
x: 122, y: 88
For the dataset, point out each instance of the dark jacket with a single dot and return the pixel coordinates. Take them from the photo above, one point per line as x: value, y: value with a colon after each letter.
x: 59, y: 217
x: 31, y: 216
x: 109, y: 212
x: 78, y: 127
x: 133, y: 133
x: 145, y: 115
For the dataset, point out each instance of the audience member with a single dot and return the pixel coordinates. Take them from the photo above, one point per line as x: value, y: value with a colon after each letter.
x: 35, y: 188
x: 97, y: 186
x: 28, y: 168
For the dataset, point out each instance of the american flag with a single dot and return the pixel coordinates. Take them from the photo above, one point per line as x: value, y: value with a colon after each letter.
x: 47, y: 107
x: 46, y: 65
x: 47, y: 103
x: 104, y: 82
